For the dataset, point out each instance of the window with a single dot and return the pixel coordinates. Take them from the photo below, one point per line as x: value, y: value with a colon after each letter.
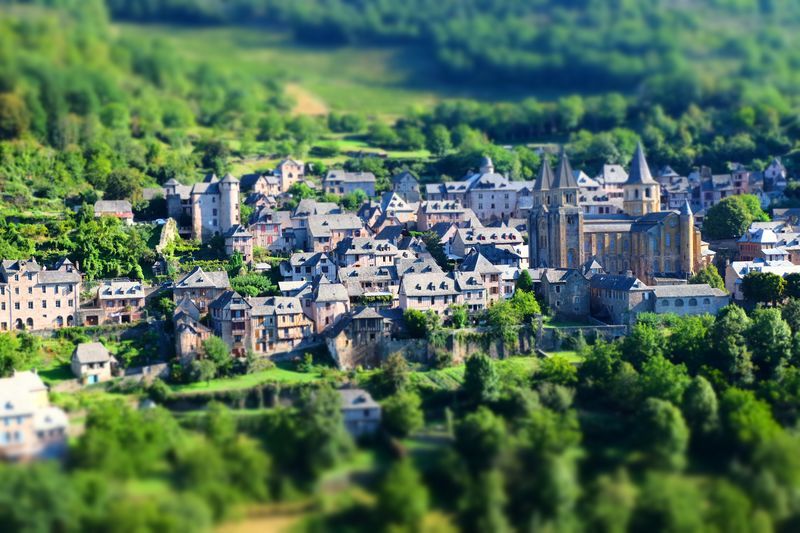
x: 44, y: 304
x: 30, y: 290
x: 664, y: 303
x: 214, y: 212
x: 30, y: 305
x: 679, y: 303
x: 692, y: 302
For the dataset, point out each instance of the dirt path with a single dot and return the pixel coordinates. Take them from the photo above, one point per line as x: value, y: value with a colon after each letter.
x: 266, y: 518
x: 306, y: 102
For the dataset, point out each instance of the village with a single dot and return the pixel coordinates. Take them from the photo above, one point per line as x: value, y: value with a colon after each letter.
x: 596, y: 252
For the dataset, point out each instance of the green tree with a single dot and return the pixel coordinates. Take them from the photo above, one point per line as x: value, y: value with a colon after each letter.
x: 763, y: 287
x: 402, y: 413
x: 525, y: 304
x: 14, y: 116
x: 459, y: 316
x: 728, y: 219
x: 644, y: 342
x: 770, y: 341
x: 662, y: 434
x: 483, y: 506
x: 667, y: 502
x: 395, y: 372
x: 524, y: 282
x: 791, y: 313
x: 480, y: 378
x: 402, y: 499
x: 438, y: 141
x: 503, y: 319
x: 612, y: 502
x: 661, y: 379
x: 559, y: 370
x: 746, y: 421
x: 124, y: 184
x: 728, y: 339
x: 202, y: 370
x: 700, y: 407
x: 481, y: 437
x: 688, y: 341
x: 709, y: 275
x: 216, y: 351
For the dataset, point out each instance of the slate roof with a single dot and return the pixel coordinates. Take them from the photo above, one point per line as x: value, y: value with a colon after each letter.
x: 197, y: 278
x: 325, y: 291
x: 309, y: 206
x: 120, y: 289
x: 564, y: 178
x: 420, y: 265
x: 476, y: 262
x: 357, y: 399
x: 238, y: 231
x: 428, y: 285
x: 545, y: 179
x: 469, y: 281
x: 616, y: 282
x: 91, y: 352
x: 640, y: 171
x: 323, y: 226
x: 341, y: 176
x: 112, y: 206
x: 688, y: 290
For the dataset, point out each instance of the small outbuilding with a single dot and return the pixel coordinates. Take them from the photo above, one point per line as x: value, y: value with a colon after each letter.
x: 91, y: 362
x: 362, y: 414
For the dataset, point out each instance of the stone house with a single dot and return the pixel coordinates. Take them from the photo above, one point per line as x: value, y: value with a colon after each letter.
x: 289, y: 171
x: 30, y: 428
x: 341, y: 182
x: 305, y: 266
x: 329, y: 303
x: 365, y: 251
x: 424, y: 292
x: 737, y: 270
x: 371, y: 282
x: 489, y: 274
x: 566, y: 292
x: 117, y: 301
x: 238, y: 239
x: 688, y: 299
x: 362, y: 414
x: 35, y: 298
x: 189, y: 331
x: 201, y: 287
x: 261, y: 184
x: 360, y: 336
x: 468, y: 238
x: 618, y: 299
x: 120, y: 209
x: 262, y: 325
x: 433, y: 213
x: 91, y: 363
x: 472, y: 289
x: 326, y: 232
x: 406, y: 185
x: 297, y: 234
x: 267, y: 225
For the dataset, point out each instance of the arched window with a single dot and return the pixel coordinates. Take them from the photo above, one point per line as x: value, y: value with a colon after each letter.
x: 706, y: 301
x: 679, y: 303
x: 29, y: 322
x: 59, y: 321
x: 692, y: 302
x: 664, y: 303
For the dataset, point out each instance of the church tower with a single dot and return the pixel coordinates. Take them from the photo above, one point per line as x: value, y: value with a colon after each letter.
x: 641, y: 192
x: 555, y: 226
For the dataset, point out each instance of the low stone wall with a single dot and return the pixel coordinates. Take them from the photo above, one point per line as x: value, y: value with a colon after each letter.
x: 551, y: 339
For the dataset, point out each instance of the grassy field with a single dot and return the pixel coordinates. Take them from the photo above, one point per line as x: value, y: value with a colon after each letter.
x: 377, y: 81
x: 247, y: 381
x: 571, y: 355
x: 453, y: 377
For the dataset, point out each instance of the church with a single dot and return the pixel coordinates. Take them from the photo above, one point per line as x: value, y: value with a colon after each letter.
x: 658, y: 247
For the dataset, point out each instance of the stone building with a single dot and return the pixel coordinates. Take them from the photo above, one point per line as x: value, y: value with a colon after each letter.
x: 267, y: 225
x: 467, y: 239
x: 489, y: 194
x: 362, y: 414
x: 342, y: 182
x: 433, y: 213
x: 429, y: 292
x: 238, y: 239
x: 35, y: 298
x: 91, y: 363
x: 204, y: 209
x: 406, y: 185
x: 201, y: 287
x: 289, y: 171
x: 30, y: 428
x: 653, y: 244
x: 189, y: 331
x: 365, y: 251
x: 325, y: 232
x: 566, y: 292
x: 120, y: 209
x: 305, y: 266
x: 261, y: 325
x: 117, y: 301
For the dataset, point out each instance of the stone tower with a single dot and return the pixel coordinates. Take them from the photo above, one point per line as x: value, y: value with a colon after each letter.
x: 487, y: 167
x: 642, y: 192
x: 555, y: 226
x: 228, y: 203
x: 687, y: 248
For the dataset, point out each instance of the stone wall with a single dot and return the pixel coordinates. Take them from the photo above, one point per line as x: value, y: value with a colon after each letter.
x: 169, y: 232
x: 551, y: 339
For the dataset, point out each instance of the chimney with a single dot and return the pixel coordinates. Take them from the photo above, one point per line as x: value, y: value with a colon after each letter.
x: 628, y: 273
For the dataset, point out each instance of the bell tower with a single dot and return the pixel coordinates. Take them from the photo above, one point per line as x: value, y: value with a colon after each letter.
x: 642, y: 194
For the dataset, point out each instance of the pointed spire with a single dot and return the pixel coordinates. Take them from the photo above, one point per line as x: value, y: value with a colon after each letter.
x: 545, y: 178
x: 686, y: 209
x: 640, y: 172
x: 565, y: 179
